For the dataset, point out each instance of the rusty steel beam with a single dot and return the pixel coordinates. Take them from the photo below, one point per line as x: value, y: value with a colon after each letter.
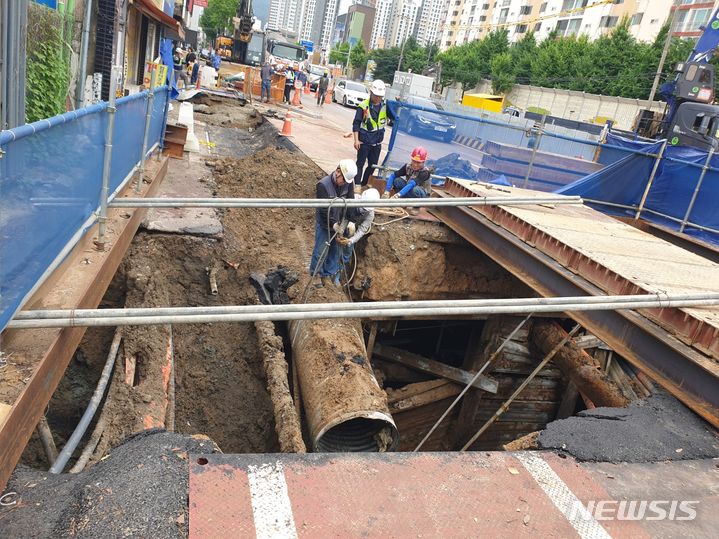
x: 29, y: 407
x: 693, y: 331
x: 682, y: 370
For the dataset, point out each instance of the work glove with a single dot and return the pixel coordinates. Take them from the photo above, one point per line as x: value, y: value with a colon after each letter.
x: 337, y: 228
x: 351, y: 229
x: 385, y: 195
x: 395, y: 196
x: 344, y: 242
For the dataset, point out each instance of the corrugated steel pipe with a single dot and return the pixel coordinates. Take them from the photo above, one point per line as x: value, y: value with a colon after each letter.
x: 345, y: 407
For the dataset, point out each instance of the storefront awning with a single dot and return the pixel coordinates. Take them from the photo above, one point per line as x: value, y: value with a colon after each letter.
x: 148, y: 8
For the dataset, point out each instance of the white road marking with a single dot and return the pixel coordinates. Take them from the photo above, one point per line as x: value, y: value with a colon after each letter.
x: 563, y: 498
x: 271, y: 506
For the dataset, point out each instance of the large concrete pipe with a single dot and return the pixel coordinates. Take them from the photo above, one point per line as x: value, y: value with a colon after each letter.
x: 346, y: 409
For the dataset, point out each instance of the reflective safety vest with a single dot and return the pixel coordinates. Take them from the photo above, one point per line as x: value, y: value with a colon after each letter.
x: 369, y: 123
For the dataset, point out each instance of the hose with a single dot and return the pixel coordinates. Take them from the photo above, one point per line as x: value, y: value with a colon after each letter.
x: 79, y: 432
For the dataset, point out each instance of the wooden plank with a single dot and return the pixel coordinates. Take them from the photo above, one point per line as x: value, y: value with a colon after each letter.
x: 569, y: 402
x: 371, y: 339
x: 436, y: 368
x: 412, y: 390
x: 428, y: 397
x: 475, y: 357
x: 30, y: 405
x: 4, y: 412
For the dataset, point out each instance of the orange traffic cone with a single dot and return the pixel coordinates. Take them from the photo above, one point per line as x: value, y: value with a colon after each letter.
x: 287, y: 126
x: 307, y: 88
x: 328, y: 96
x: 296, y: 97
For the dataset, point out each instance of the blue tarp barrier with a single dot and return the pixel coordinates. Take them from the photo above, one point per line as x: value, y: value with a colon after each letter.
x: 50, y: 182
x: 624, y: 183
x: 620, y: 183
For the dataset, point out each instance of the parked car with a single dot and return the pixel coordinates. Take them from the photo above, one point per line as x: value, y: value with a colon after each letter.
x: 425, y: 123
x: 350, y: 93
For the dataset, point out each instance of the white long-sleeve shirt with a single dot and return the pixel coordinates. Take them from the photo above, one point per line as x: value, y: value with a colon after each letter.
x: 363, y: 226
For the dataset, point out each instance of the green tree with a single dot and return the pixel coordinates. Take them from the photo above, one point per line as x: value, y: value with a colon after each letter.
x: 339, y: 55
x: 358, y: 56
x: 522, y: 53
x: 502, y: 73
x: 387, y: 60
x: 217, y: 17
x: 47, y: 73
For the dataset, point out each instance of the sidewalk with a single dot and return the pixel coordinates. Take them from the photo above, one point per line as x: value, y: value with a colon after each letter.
x: 321, y: 138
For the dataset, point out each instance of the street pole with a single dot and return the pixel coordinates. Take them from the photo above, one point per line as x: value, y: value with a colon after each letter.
x: 665, y: 52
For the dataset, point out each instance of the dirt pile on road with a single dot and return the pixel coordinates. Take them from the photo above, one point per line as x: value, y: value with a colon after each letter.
x: 225, y: 112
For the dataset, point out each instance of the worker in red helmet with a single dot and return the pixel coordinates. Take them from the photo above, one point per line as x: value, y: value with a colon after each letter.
x: 413, y: 180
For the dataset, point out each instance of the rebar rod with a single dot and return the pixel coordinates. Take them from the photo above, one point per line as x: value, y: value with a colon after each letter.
x: 524, y: 384
x: 313, y: 313
x: 349, y: 203
x: 303, y: 307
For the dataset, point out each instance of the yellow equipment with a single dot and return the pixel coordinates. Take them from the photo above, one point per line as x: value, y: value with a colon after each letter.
x: 489, y: 102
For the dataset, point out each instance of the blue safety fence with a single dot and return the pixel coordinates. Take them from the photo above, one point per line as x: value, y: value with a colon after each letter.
x: 50, y: 184
x: 484, y: 149
x: 619, y: 176
x: 675, y: 198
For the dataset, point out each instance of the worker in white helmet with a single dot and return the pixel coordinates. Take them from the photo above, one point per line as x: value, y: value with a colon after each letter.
x: 356, y: 225
x: 328, y: 221
x: 368, y: 131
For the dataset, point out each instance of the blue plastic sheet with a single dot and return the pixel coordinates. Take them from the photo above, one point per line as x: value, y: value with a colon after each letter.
x: 485, y: 150
x: 50, y: 183
x: 625, y: 181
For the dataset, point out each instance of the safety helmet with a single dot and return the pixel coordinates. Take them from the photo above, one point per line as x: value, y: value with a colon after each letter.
x: 348, y: 169
x: 370, y: 194
x: 378, y: 88
x: 178, y: 49
x: 419, y: 154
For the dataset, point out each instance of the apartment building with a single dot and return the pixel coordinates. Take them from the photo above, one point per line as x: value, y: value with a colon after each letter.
x: 429, y: 19
x: 383, y: 12
x: 317, y: 22
x: 402, y: 21
x: 284, y: 15
x: 465, y: 21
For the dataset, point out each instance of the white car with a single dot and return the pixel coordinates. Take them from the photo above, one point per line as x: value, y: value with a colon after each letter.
x: 350, y: 93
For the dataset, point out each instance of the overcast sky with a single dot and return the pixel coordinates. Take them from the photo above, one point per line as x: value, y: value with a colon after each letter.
x: 344, y: 6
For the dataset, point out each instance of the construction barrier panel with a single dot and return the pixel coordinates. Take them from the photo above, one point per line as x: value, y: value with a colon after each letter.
x: 621, y: 176
x: 50, y: 184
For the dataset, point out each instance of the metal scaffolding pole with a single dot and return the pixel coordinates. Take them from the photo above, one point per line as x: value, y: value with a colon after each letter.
x: 314, y: 311
x: 357, y: 306
x: 349, y: 203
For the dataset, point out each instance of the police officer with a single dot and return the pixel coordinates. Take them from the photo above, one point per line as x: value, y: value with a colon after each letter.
x: 368, y: 131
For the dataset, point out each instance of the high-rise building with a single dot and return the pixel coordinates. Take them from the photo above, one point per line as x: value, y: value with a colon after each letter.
x: 359, y: 24
x: 427, y: 29
x: 383, y: 11
x: 317, y: 22
x: 402, y: 20
x: 284, y: 16
x: 339, y: 33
